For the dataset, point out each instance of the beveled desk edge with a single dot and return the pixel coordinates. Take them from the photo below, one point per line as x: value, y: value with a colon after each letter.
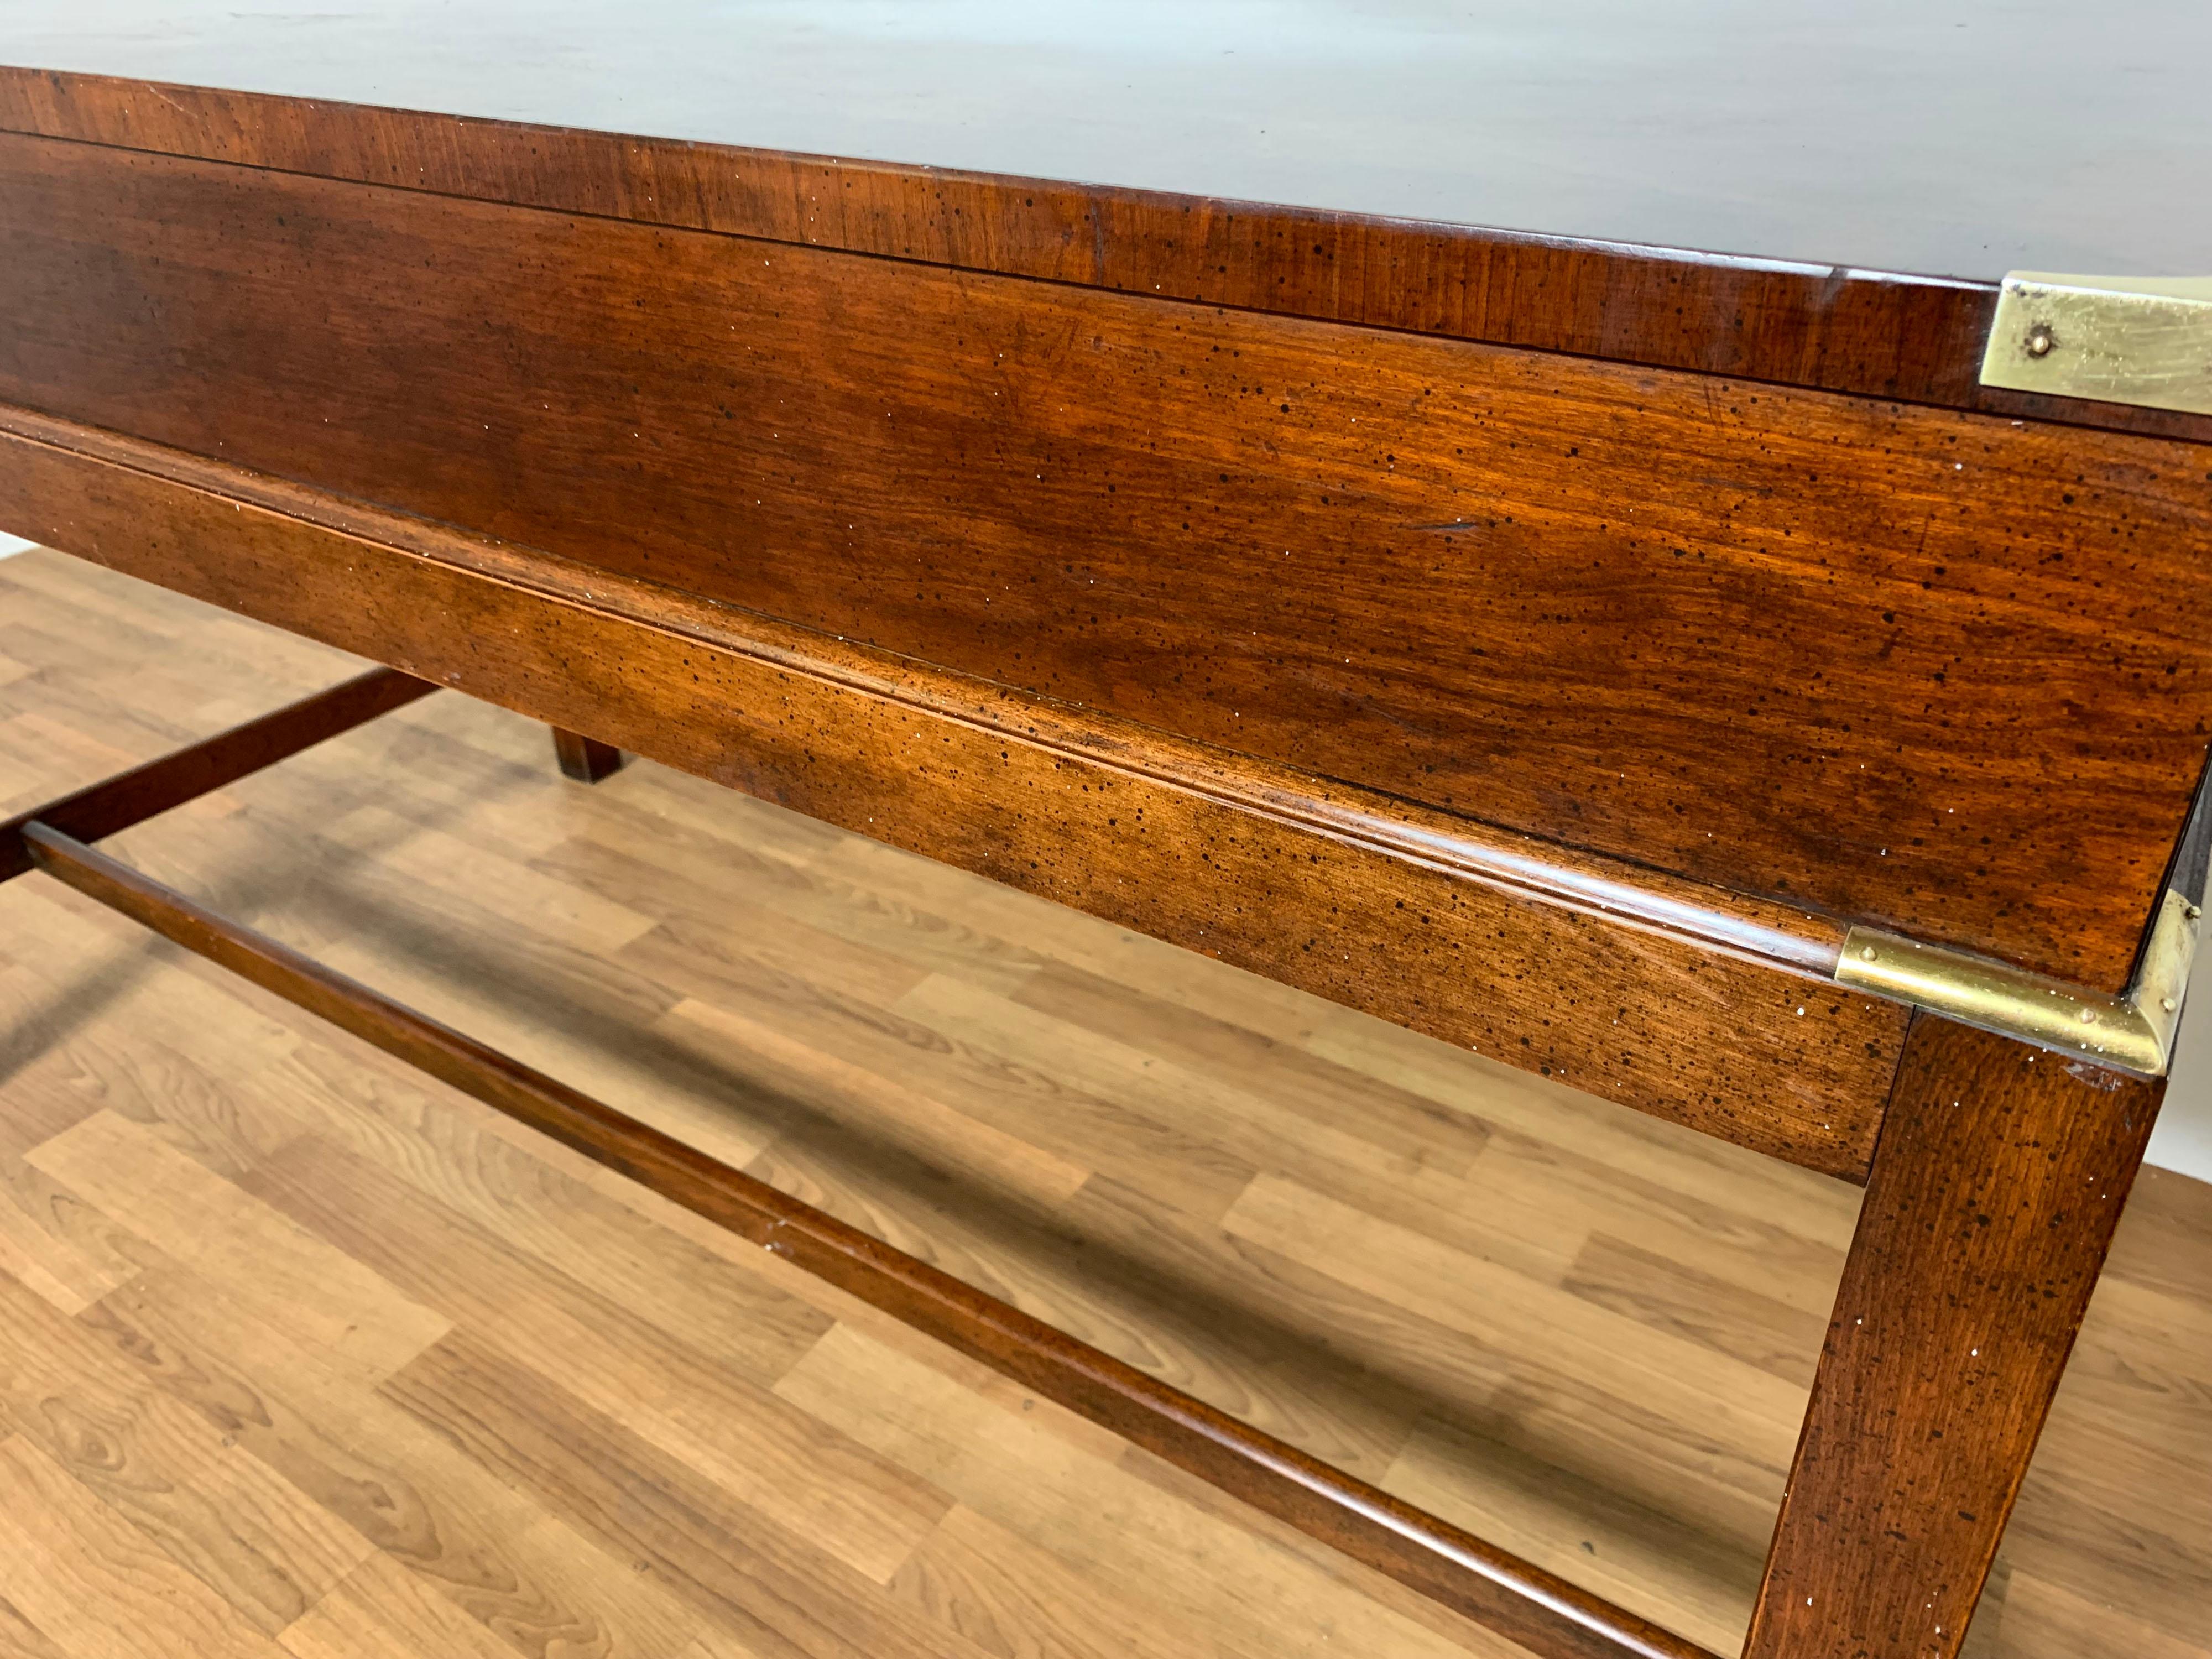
x: 1873, y: 333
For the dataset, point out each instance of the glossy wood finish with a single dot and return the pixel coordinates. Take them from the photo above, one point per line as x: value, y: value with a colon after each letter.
x: 1924, y: 669
x: 582, y: 759
x: 1808, y: 319
x: 1997, y: 1185
x: 1545, y: 1613
x: 1871, y: 332
x: 1599, y: 974
x: 1866, y: 332
x: 145, y: 792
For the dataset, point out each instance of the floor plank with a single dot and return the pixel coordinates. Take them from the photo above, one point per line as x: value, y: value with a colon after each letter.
x: 96, y: 1582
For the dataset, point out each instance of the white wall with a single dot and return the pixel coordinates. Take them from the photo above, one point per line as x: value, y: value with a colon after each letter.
x: 12, y: 544
x: 2183, y: 1140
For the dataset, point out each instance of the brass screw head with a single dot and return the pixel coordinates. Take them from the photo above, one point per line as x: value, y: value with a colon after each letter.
x: 2041, y: 339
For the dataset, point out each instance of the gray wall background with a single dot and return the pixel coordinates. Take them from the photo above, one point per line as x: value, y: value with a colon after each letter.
x: 2183, y: 1140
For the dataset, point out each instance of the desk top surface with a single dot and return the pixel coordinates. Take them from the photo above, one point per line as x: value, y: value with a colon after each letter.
x: 1944, y: 137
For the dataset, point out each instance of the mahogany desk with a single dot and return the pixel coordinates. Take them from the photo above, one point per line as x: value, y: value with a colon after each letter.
x: 1771, y: 695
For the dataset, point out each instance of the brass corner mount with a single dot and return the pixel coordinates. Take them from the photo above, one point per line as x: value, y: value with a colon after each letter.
x: 2139, y: 340
x: 2133, y: 1032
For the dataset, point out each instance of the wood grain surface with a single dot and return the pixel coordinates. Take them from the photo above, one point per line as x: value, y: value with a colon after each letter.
x: 1997, y: 1183
x: 1566, y: 1326
x: 1701, y: 1015
x: 1923, y: 669
x: 1874, y: 332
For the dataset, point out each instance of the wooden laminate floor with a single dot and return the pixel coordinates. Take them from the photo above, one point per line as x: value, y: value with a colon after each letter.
x: 302, y: 1353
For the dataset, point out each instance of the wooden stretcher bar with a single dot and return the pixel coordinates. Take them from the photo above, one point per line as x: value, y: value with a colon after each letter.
x: 1489, y: 1584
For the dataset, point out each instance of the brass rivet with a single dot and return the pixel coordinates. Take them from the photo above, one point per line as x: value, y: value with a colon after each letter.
x: 2167, y: 1003
x: 2041, y: 339
x: 1866, y: 952
x: 2088, y: 1016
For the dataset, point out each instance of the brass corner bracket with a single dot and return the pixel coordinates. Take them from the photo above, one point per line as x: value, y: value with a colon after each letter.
x: 2130, y: 1033
x: 2141, y: 340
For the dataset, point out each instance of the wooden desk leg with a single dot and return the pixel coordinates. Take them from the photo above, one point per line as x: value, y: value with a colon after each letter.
x: 584, y: 759
x: 1997, y: 1179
